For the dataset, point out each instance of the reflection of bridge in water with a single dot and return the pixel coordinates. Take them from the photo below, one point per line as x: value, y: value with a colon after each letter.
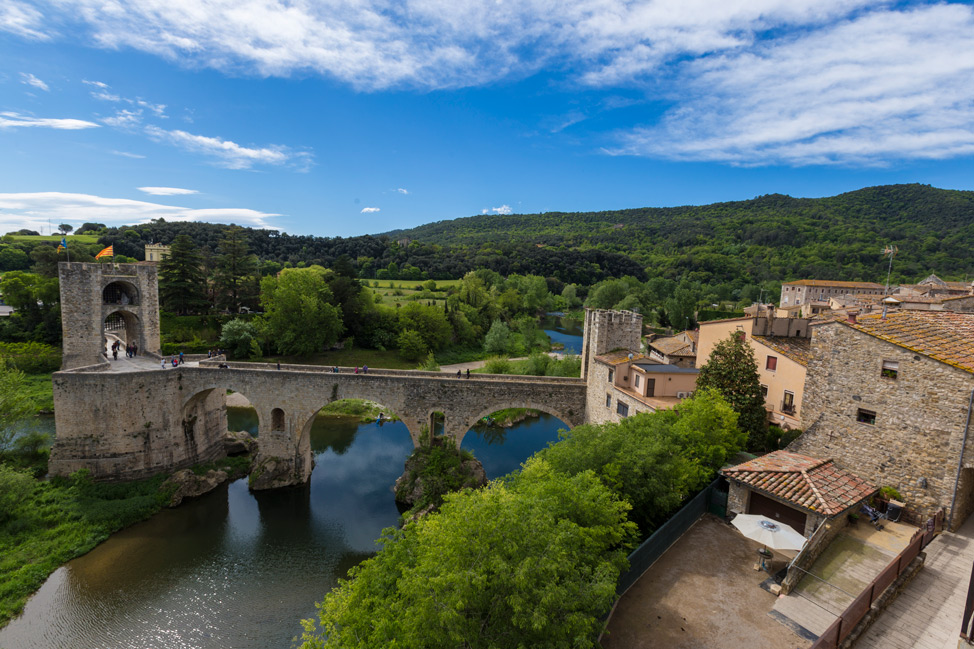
x: 131, y: 418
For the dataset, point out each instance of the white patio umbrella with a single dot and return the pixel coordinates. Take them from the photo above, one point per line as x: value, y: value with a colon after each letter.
x: 772, y: 534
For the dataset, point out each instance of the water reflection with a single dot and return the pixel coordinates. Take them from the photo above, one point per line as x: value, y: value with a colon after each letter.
x: 566, y: 331
x: 234, y: 569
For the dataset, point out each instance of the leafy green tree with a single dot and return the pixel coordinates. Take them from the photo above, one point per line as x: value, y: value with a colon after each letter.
x: 238, y: 337
x: 13, y: 259
x: 570, y: 293
x: 65, y: 228
x: 38, y: 314
x: 234, y: 272
x: 528, y: 562
x: 182, y: 281
x: 412, y: 347
x: 732, y: 371
x: 297, y: 311
x: 429, y: 321
x: 681, y: 308
x: 607, y: 294
x: 497, y: 339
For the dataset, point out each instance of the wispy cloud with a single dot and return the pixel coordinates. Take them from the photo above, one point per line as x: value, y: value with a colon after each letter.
x: 227, y: 153
x: 31, y: 80
x: 369, y: 210
x: 103, y: 93
x: 32, y: 210
x: 97, y: 84
x: 167, y: 191
x: 881, y: 87
x: 23, y: 20
x: 503, y: 209
x: 16, y: 120
x: 402, y: 190
x: 127, y: 154
x: 124, y: 118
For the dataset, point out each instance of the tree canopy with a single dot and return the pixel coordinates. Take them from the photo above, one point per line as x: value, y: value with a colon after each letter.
x: 732, y: 371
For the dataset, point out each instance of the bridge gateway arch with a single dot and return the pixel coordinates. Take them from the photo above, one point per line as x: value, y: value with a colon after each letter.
x: 130, y: 419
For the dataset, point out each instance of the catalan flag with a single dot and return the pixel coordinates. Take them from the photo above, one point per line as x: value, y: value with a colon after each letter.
x: 63, y: 245
x: 107, y: 252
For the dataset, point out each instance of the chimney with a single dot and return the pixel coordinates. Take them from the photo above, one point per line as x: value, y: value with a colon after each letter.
x: 851, y: 316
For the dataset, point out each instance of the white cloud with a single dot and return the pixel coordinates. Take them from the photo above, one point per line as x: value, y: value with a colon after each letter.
x: 97, y: 84
x: 32, y: 210
x: 16, y: 120
x: 124, y: 118
x: 228, y: 153
x: 883, y: 86
x: 503, y: 209
x: 22, y: 20
x: 126, y: 154
x: 402, y: 191
x: 31, y: 80
x: 102, y: 93
x: 166, y: 191
x: 434, y: 43
x: 369, y: 210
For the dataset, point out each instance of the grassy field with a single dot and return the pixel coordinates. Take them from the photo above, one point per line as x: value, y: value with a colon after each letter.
x: 402, y: 292
x: 78, y: 238
x: 41, y: 390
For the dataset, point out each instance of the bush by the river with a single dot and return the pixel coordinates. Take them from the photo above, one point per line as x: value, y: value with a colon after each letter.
x: 531, y: 560
x: 31, y: 357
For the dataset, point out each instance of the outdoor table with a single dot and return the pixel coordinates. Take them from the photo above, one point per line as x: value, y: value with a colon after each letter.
x: 766, y: 556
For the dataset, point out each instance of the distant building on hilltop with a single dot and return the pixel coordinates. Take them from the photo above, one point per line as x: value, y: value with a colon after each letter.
x: 156, y: 252
x: 820, y: 290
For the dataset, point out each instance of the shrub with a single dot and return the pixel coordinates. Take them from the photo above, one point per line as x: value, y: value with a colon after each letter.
x: 498, y: 365
x: 32, y: 357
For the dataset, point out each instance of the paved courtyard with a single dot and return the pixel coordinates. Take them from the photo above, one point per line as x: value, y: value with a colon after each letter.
x: 703, y: 593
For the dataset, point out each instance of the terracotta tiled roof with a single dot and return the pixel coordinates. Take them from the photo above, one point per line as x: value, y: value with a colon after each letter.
x: 942, y: 335
x: 816, y: 485
x: 673, y: 346
x: 619, y: 357
x: 836, y: 284
x: 797, y: 349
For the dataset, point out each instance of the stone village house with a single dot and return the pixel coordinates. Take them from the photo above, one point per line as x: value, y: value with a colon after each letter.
x: 890, y: 398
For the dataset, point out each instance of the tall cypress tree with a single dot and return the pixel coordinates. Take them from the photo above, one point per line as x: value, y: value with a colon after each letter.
x: 182, y: 281
x: 235, y: 271
x: 733, y: 372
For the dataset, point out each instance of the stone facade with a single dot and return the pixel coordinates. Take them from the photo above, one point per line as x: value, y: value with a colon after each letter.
x: 606, y: 331
x: 90, y: 293
x: 905, y: 432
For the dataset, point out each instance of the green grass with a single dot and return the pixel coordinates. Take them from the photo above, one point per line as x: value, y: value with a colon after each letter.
x: 41, y: 390
x: 79, y: 238
x: 411, y: 283
x: 365, y: 411
x: 350, y: 357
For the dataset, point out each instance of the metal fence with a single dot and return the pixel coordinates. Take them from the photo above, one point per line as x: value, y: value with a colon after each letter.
x: 847, y: 621
x: 653, y: 548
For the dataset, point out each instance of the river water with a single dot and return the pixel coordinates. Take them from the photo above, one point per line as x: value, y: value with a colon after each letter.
x: 236, y: 570
x: 563, y: 330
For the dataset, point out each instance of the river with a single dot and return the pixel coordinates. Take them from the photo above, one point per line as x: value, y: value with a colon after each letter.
x: 563, y: 330
x: 236, y: 570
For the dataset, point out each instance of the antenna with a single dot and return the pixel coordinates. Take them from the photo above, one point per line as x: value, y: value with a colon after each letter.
x: 890, y: 251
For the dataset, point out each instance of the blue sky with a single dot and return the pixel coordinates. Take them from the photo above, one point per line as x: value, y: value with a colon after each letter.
x: 347, y: 117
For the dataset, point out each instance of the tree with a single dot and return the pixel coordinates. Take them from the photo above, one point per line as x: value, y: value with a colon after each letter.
x: 182, y: 282
x: 412, y: 347
x: 64, y: 228
x: 93, y: 228
x: 497, y: 338
x: 429, y: 321
x: 235, y: 268
x: 732, y: 371
x: 298, y: 313
x: 681, y: 308
x: 528, y: 562
x: 238, y: 337
x: 13, y: 259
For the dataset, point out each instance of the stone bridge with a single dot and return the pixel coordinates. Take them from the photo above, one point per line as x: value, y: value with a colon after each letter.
x: 126, y: 425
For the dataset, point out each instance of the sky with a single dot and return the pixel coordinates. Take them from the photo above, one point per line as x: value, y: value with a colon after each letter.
x: 349, y: 117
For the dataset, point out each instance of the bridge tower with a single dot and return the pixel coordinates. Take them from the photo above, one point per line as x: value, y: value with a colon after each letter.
x: 607, y: 330
x: 97, y: 299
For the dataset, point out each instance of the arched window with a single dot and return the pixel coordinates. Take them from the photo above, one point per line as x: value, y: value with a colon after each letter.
x: 277, y: 419
x: 120, y: 293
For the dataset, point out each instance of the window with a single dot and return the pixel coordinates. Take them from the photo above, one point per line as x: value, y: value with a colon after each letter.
x: 890, y: 369
x: 764, y: 391
x: 622, y: 409
x: 866, y: 417
x: 788, y: 403
x: 772, y: 363
x: 608, y: 401
x: 636, y: 380
x: 611, y: 375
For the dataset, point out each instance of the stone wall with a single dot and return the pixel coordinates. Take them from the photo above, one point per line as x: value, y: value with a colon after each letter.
x: 606, y: 330
x: 919, y: 416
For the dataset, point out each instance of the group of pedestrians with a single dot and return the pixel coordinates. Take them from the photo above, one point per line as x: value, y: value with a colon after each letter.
x: 174, y: 360
x: 459, y: 374
x: 130, y: 350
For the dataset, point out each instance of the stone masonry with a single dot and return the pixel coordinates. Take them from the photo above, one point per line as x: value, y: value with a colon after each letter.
x: 85, y: 306
x: 915, y: 442
x: 606, y: 331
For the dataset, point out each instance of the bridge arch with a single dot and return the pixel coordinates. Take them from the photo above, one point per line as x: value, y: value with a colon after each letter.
x: 120, y: 292
x: 123, y: 324
x: 567, y: 417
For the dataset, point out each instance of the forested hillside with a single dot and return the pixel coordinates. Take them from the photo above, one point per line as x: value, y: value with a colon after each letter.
x: 769, y: 238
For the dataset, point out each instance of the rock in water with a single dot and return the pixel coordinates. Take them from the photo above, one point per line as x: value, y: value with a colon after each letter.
x: 239, y: 443
x: 189, y: 485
